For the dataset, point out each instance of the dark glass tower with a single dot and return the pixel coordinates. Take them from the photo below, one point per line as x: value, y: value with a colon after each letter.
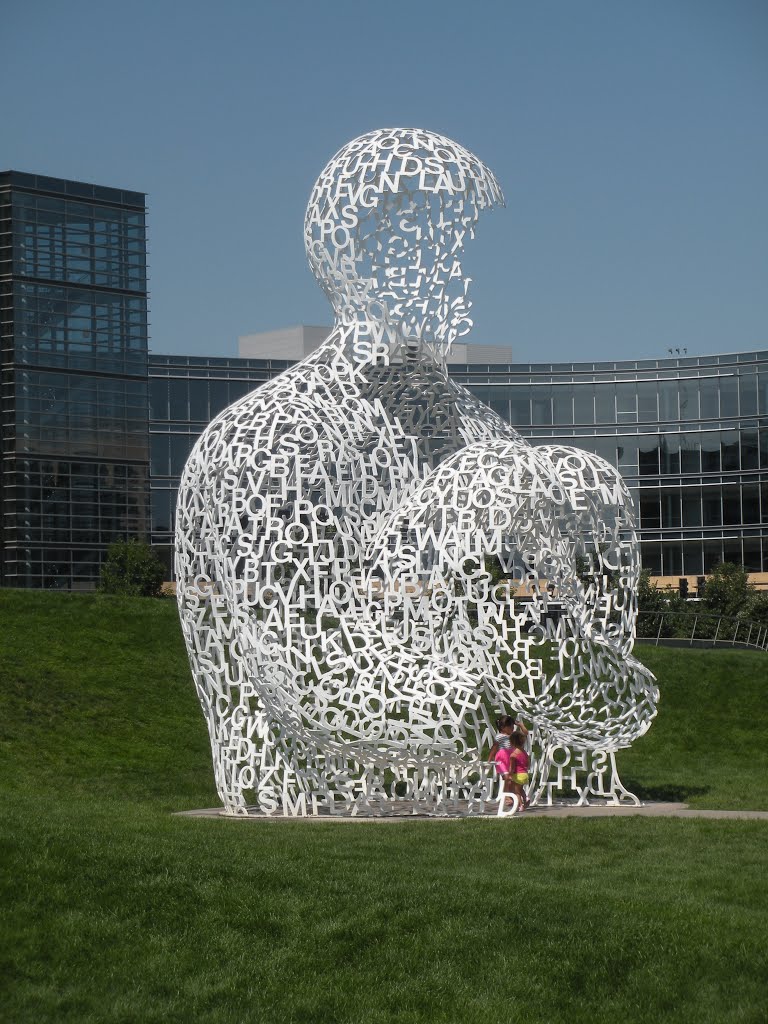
x: 73, y: 329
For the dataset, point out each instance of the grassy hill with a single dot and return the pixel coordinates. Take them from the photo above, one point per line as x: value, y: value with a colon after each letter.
x: 116, y: 911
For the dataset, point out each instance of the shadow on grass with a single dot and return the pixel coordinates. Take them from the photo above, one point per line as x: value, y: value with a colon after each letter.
x: 669, y: 793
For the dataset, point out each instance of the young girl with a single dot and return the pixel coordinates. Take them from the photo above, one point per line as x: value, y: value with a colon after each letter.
x: 518, y: 766
x: 503, y: 753
x: 505, y: 726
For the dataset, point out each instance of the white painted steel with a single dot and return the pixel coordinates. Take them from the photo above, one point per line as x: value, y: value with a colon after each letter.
x: 337, y: 531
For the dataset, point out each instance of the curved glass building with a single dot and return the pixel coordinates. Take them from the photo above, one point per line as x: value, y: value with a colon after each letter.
x: 690, y: 436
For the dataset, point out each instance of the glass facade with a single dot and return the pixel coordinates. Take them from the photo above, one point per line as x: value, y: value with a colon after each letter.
x: 185, y: 393
x: 73, y: 304
x: 689, y: 435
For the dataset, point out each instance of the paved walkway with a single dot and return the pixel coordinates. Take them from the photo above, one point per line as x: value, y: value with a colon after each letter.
x: 651, y: 810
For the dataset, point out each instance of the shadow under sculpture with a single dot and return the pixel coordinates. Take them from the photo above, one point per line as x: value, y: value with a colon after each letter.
x: 337, y: 528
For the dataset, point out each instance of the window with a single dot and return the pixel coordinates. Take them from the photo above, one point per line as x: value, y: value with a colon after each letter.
x: 541, y: 406
x: 693, y: 558
x: 650, y: 512
x: 712, y: 511
x: 762, y: 393
x: 159, y: 455
x: 713, y: 554
x: 605, y: 403
x: 198, y: 400
x: 626, y: 451
x: 667, y: 400
x: 750, y: 503
x: 626, y: 397
x: 647, y: 402
x: 77, y: 242
x: 584, y: 404
x: 672, y: 555
x: 650, y: 556
x: 729, y: 449
x: 764, y: 448
x: 240, y: 388
x: 162, y: 518
x: 178, y: 400
x: 181, y: 446
x: 690, y: 454
x: 729, y: 397
x: 710, y: 453
x: 496, y: 397
x: 562, y: 403
x: 731, y: 505
x: 519, y: 413
x: 605, y: 447
x: 750, y: 452
x: 670, y: 509
x: 689, y: 400
x: 748, y: 394
x: 732, y: 550
x: 520, y: 409
x: 648, y: 455
x: 219, y: 396
x: 691, y: 501
x: 752, y: 559
x: 670, y: 453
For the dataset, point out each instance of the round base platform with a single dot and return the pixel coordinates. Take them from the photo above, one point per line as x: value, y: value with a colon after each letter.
x: 406, y: 813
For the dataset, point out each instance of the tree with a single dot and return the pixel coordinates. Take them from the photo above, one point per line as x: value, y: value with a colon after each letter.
x: 658, y: 608
x: 649, y: 597
x: 728, y: 591
x: 758, y: 608
x: 133, y: 569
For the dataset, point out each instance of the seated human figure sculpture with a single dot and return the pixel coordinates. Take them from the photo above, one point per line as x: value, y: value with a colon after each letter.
x: 337, y: 531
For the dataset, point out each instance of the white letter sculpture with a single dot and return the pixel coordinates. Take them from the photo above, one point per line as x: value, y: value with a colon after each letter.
x: 341, y: 532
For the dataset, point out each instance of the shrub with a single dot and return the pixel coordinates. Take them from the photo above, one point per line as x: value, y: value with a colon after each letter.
x: 132, y: 569
x: 654, y: 604
x: 728, y: 591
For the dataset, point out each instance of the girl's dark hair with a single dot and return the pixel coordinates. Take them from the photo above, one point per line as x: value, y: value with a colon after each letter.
x: 518, y: 739
x: 503, y: 722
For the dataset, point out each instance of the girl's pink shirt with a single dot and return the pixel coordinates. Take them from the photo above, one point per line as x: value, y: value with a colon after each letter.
x: 521, y: 760
x: 502, y: 760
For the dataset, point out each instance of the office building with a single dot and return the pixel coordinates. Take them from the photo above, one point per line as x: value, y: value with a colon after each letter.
x: 73, y: 322
x: 690, y: 436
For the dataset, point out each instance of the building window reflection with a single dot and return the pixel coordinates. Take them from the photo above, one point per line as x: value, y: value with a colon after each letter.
x: 675, y: 471
x: 75, y: 473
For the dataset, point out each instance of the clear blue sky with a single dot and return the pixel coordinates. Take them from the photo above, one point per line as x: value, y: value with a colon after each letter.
x: 630, y: 138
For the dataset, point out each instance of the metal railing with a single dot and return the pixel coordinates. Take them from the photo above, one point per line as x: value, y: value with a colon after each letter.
x: 700, y: 629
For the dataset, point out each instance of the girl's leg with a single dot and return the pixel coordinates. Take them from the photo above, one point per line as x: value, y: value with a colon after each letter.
x: 517, y: 789
x: 509, y: 787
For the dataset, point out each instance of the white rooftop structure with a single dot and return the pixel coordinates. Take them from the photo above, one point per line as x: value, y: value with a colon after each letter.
x: 297, y: 343
x: 284, y: 343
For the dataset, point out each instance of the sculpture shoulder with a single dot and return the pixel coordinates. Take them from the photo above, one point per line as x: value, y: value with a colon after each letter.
x: 319, y: 407
x: 309, y: 409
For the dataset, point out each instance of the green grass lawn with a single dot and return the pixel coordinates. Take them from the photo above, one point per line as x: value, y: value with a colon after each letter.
x: 708, y: 744
x: 115, y: 911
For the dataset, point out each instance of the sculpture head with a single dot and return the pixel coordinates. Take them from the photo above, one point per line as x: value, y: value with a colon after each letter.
x: 385, y: 227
